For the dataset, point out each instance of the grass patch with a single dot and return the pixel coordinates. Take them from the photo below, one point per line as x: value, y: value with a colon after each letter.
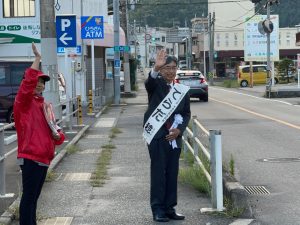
x: 108, y: 146
x: 231, y: 166
x: 14, y: 210
x: 72, y: 149
x: 115, y: 130
x: 195, y: 177
x: 111, y: 136
x: 135, y: 87
x: 100, y: 174
x: 51, y: 176
x: 230, y: 210
x: 230, y: 84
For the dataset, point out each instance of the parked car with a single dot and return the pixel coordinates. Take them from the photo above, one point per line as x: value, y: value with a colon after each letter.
x: 11, y: 74
x: 182, y: 64
x: 259, y: 75
x: 196, y: 81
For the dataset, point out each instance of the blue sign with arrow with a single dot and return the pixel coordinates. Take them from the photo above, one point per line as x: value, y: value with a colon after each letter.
x: 66, y: 31
x: 92, y: 27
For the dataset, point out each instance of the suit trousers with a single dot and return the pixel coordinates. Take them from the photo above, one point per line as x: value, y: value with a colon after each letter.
x: 164, y: 173
x: 33, y: 178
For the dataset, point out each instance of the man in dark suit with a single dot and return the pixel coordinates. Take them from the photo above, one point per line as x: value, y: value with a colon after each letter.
x: 165, y: 158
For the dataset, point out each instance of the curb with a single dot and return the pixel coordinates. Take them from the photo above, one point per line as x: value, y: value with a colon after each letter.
x: 238, y: 195
x: 7, y: 217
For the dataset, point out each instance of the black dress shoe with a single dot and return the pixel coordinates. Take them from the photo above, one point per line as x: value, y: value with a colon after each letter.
x: 160, y: 218
x: 175, y: 216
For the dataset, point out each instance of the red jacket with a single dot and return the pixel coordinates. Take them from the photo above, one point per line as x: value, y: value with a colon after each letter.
x: 35, y: 139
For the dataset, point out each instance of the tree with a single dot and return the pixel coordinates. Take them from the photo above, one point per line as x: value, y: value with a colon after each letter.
x: 286, y: 68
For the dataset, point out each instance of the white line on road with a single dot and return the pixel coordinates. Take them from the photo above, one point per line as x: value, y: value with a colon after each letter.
x: 261, y: 98
x: 258, y: 114
x: 242, y: 222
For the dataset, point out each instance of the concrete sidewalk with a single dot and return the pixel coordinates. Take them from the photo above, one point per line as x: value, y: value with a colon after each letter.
x: 124, y: 198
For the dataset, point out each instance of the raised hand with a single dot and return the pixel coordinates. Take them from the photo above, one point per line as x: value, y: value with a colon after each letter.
x: 35, y: 51
x: 160, y: 59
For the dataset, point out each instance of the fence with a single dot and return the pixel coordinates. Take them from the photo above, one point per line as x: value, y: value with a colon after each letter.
x: 194, y: 140
x: 73, y: 106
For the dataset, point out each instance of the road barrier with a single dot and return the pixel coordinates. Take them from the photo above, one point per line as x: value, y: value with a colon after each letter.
x: 193, y: 141
x: 73, y: 107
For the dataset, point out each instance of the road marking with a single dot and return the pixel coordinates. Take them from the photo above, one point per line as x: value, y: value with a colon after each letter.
x: 105, y: 122
x: 242, y: 222
x: 77, y: 176
x: 57, y: 221
x: 258, y: 114
x: 261, y: 98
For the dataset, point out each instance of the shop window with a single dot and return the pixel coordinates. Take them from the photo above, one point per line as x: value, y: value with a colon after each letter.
x: 18, y: 8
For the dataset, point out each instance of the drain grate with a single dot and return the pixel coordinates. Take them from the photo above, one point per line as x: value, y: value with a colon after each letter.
x: 256, y: 190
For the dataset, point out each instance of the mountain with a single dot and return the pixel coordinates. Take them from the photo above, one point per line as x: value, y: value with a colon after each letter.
x: 169, y: 13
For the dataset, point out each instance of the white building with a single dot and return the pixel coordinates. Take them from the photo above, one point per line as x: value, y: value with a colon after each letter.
x: 20, y: 25
x: 229, y: 37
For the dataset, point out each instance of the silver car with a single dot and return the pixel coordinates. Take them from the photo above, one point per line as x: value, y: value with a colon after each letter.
x: 196, y: 81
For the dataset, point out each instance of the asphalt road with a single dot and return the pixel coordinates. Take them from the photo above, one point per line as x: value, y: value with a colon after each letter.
x: 262, y: 135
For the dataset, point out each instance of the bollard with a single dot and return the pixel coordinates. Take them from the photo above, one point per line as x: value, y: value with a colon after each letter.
x: 90, y: 102
x: 70, y: 115
x: 2, y: 166
x: 79, y: 114
x: 216, y: 170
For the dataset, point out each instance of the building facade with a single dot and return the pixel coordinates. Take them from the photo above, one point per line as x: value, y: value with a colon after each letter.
x: 20, y: 26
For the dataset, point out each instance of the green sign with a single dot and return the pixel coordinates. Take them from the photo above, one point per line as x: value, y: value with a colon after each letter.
x: 121, y: 48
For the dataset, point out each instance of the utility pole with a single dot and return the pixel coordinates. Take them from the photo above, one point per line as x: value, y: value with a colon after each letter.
x: 124, y: 25
x: 269, y: 47
x: 48, y: 51
x: 116, y: 53
x: 211, y: 47
x: 204, y: 49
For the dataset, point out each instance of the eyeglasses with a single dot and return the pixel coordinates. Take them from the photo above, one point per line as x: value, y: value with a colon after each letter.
x: 169, y: 67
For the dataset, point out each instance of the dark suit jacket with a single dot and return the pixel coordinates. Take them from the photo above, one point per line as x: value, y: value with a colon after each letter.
x: 157, y: 90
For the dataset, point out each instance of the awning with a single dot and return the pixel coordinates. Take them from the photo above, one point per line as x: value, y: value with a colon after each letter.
x: 108, y: 40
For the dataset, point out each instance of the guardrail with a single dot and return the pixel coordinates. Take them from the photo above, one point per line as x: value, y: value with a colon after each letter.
x: 194, y: 141
x: 73, y: 106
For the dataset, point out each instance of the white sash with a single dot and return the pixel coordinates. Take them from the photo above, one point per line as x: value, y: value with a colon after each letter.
x: 164, y: 110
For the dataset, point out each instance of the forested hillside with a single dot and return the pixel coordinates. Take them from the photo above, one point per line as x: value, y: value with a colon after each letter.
x: 166, y: 13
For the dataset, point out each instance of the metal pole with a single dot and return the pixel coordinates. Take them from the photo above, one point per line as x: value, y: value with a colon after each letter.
x: 195, y: 134
x: 127, y: 87
x: 204, y: 57
x: 216, y: 169
x: 211, y: 54
x: 116, y: 53
x: 268, y: 50
x: 2, y: 166
x: 146, y: 63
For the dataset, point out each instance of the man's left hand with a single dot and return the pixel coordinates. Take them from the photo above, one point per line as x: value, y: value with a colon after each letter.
x: 173, y: 134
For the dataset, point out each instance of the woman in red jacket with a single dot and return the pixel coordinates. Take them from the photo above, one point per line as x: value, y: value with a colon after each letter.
x: 36, y: 141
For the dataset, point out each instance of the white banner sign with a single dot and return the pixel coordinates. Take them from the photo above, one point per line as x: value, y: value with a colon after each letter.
x: 255, y: 44
x: 164, y: 111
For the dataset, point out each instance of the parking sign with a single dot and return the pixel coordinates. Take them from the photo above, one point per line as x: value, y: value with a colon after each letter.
x: 66, y: 31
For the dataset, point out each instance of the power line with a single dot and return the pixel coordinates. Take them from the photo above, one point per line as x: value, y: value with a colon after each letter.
x: 187, y: 3
x: 258, y: 11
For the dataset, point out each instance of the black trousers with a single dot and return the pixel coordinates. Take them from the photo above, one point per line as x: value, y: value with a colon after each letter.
x: 164, y: 173
x: 33, y: 178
